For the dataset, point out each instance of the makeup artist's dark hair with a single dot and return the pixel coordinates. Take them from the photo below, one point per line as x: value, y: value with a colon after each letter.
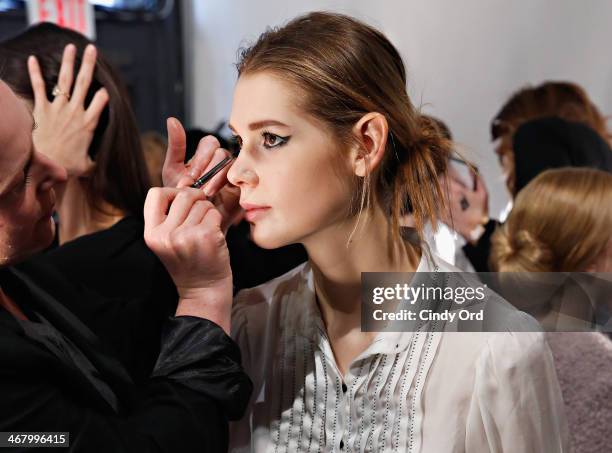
x: 345, y: 69
x: 120, y: 176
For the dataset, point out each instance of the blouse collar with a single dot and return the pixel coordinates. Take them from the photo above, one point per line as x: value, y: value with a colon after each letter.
x: 307, y: 321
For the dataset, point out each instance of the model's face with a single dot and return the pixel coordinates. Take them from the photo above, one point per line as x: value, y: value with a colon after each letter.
x: 26, y: 184
x: 289, y: 164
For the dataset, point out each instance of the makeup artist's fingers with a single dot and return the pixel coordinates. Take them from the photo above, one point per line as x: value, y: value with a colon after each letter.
x: 156, y: 206
x: 37, y: 81
x: 182, y: 205
x: 200, y: 162
x: 220, y: 179
x: 212, y: 219
x: 174, y: 166
x: 227, y: 202
x: 197, y: 212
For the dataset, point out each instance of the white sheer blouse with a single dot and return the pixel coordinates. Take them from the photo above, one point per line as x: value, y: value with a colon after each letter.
x: 408, y: 392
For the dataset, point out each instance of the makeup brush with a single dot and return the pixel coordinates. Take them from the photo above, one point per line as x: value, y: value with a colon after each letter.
x: 211, y: 173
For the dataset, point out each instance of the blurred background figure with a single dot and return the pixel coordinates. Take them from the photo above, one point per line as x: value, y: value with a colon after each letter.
x: 154, y: 148
x: 562, y: 221
x: 572, y: 132
x: 117, y: 182
x: 562, y: 99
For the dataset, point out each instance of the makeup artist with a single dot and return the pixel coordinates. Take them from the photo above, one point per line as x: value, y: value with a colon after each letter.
x: 56, y: 375
x: 85, y: 124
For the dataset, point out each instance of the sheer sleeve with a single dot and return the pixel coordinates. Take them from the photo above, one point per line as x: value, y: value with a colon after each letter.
x: 516, y: 404
x: 243, y: 321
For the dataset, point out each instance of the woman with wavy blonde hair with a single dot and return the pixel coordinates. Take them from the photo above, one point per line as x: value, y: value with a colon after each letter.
x: 540, y: 235
x: 562, y: 221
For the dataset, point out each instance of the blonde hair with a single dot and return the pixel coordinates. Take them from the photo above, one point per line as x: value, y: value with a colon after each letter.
x: 561, y: 221
x: 345, y: 69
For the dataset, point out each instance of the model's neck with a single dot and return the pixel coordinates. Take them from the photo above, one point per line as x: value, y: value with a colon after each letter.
x: 77, y: 217
x: 337, y: 263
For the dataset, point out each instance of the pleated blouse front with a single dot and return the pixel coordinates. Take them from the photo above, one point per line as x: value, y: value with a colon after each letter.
x: 302, y: 403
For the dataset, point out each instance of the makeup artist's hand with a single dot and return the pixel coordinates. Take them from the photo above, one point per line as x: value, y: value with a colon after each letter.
x: 184, y: 230
x: 209, y: 153
x: 65, y: 126
x: 176, y: 173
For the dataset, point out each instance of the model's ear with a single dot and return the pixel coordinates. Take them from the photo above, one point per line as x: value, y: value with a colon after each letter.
x: 371, y: 134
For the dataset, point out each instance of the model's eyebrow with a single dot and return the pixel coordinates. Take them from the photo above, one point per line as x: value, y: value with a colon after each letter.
x: 261, y: 124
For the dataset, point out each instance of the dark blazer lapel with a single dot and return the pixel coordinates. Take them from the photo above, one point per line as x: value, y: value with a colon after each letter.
x: 72, y: 327
x: 29, y: 353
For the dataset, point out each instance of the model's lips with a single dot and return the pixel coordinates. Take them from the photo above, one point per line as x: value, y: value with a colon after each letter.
x: 253, y: 211
x: 249, y: 206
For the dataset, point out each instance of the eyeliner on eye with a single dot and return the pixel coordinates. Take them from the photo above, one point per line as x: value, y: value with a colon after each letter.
x: 268, y: 135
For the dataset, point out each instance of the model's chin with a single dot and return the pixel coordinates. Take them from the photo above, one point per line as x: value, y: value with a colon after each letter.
x: 266, y: 239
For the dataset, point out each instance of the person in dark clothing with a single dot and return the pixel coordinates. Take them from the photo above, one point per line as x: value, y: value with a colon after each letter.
x: 539, y: 145
x: 59, y: 374
x: 554, y: 143
x: 561, y: 99
x: 93, y: 135
x: 117, y: 264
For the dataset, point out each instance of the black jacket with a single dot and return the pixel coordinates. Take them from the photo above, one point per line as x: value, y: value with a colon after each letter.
x: 114, y: 261
x: 56, y: 374
x: 117, y: 264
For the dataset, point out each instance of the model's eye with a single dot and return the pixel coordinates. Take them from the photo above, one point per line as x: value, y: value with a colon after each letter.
x: 273, y: 140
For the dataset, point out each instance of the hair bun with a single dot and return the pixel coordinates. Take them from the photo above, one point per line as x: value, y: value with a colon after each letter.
x: 521, y: 253
x: 432, y: 139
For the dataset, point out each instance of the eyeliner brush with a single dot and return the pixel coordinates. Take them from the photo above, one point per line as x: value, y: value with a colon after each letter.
x: 211, y: 173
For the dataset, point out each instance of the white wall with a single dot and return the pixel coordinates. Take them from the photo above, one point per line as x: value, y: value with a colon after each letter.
x: 464, y: 58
